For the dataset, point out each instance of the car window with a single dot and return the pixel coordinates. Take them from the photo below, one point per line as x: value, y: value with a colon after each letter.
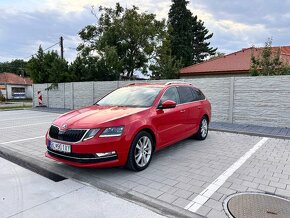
x: 198, y: 95
x: 170, y: 94
x: 185, y: 94
x: 134, y: 96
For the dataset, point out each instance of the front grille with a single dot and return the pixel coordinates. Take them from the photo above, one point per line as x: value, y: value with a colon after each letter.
x: 80, y: 158
x: 70, y: 135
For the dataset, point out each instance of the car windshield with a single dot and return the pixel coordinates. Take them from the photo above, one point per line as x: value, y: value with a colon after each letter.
x: 131, y: 97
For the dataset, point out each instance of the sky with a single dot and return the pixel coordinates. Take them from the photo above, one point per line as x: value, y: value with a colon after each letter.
x: 26, y: 24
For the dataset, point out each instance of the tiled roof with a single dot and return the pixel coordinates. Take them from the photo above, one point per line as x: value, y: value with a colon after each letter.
x: 237, y: 62
x: 11, y: 78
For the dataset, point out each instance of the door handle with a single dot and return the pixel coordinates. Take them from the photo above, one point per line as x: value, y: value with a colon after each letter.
x: 182, y: 111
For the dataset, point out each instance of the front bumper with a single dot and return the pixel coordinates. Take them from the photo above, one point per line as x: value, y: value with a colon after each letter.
x: 83, y: 154
x: 81, y: 158
x: 107, y: 163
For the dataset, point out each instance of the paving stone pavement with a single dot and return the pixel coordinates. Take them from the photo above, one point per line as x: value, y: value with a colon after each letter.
x: 275, y: 132
x: 176, y: 175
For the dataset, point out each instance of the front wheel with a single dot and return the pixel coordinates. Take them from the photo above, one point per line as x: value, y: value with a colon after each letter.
x: 141, y: 151
x: 203, y: 129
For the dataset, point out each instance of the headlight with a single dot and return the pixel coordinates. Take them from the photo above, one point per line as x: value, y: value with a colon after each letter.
x: 90, y: 134
x: 112, y: 131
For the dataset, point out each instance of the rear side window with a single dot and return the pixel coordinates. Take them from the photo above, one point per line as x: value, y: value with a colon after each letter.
x: 198, y: 95
x: 170, y: 94
x: 185, y: 94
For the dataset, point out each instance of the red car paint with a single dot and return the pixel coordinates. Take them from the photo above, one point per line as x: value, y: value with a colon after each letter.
x: 167, y: 126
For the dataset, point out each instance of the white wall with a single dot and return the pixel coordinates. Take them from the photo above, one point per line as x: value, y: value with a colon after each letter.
x: 250, y: 100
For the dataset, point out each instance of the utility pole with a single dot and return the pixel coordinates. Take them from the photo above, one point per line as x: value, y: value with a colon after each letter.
x: 61, y: 47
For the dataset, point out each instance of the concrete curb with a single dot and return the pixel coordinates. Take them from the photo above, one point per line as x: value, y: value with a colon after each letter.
x: 50, y: 172
x: 250, y: 133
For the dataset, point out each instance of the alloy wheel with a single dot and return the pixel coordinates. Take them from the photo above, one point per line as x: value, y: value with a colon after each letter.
x: 204, y: 128
x: 143, y: 151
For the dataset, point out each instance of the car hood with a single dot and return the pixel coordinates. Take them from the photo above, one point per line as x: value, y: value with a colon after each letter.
x: 94, y: 116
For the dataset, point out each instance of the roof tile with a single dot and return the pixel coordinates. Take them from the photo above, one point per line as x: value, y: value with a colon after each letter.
x: 11, y: 78
x: 236, y: 62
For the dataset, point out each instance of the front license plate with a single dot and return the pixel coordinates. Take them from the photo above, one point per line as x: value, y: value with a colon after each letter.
x: 59, y: 147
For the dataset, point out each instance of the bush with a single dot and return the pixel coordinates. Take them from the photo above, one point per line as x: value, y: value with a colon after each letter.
x: 2, y: 98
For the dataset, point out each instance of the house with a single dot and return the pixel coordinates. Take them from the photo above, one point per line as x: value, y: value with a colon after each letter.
x: 234, y: 64
x: 13, y: 86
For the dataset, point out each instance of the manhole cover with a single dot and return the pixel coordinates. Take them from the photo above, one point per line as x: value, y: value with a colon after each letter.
x: 257, y: 205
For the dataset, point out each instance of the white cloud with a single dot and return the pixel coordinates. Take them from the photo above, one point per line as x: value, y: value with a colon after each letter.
x: 24, y: 24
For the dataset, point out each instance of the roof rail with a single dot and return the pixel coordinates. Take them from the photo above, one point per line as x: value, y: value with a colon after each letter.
x: 177, y: 82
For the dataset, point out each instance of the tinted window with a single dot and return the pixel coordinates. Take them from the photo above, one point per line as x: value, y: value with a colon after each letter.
x: 198, y: 95
x: 131, y: 97
x: 170, y: 94
x: 185, y: 94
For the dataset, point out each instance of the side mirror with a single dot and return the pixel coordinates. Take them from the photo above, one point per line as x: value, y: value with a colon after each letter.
x: 167, y: 104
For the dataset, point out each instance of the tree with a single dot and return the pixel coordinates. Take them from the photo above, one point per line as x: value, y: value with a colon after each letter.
x: 93, y: 68
x: 217, y: 55
x: 123, y: 40
x: 268, y: 62
x: 16, y: 66
x: 166, y: 66
x: 188, y: 35
x: 48, y: 68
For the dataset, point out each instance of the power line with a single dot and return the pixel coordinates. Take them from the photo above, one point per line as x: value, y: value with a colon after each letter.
x: 44, y: 49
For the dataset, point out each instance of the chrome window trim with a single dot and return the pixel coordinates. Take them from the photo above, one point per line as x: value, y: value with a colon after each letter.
x: 205, y: 99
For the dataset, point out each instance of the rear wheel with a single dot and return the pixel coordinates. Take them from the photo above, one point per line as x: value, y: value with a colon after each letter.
x: 141, y: 151
x: 203, y: 129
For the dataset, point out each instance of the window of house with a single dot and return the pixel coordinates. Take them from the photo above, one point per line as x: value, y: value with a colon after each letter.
x: 18, y: 92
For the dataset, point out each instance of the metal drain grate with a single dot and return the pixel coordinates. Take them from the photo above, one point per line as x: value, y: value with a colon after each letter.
x: 257, y: 205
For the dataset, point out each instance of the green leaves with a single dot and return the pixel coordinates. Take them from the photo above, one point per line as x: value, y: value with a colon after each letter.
x: 125, y: 38
x: 188, y: 35
x: 48, y: 68
x: 267, y: 61
x: 16, y: 66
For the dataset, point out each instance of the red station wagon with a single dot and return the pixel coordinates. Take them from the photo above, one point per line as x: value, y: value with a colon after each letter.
x: 125, y: 127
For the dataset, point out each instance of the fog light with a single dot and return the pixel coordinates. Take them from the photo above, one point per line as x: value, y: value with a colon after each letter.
x: 106, y: 154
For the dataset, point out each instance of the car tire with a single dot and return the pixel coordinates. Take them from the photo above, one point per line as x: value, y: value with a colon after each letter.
x: 141, y: 151
x: 203, y: 129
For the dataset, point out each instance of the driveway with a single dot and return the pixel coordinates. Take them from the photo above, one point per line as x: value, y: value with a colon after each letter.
x: 189, y: 179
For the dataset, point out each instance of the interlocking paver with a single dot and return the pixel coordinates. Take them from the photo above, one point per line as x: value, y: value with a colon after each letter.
x: 181, y: 202
x: 267, y: 188
x: 250, y: 184
x: 278, y: 185
x: 204, y: 210
x: 216, y: 214
x: 167, y: 198
x: 182, y: 193
x: 153, y: 193
x: 180, y: 172
x: 282, y: 192
x: 261, y: 181
x: 214, y: 204
x: 184, y: 186
x: 170, y: 182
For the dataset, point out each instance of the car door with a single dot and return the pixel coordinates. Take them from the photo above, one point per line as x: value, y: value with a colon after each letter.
x: 190, y: 108
x: 195, y: 111
x: 168, y: 122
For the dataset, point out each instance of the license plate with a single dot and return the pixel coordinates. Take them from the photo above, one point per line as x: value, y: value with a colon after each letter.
x: 59, y: 147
